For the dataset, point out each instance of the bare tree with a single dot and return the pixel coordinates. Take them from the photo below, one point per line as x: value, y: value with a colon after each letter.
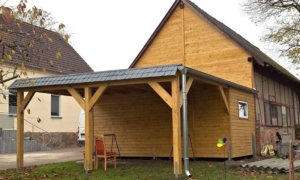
x: 25, y: 41
x: 282, y: 21
x: 45, y: 20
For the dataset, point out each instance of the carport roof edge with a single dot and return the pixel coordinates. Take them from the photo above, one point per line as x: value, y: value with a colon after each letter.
x: 100, y: 76
x: 121, y: 74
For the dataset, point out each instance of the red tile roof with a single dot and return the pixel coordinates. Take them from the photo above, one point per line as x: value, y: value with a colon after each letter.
x: 43, y: 56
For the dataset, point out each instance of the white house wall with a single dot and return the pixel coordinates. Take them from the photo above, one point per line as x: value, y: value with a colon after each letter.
x: 69, y: 109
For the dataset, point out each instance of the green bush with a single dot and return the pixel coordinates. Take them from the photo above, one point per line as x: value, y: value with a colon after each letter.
x: 297, y: 131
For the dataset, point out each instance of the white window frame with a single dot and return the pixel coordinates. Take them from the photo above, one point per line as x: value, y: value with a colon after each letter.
x: 59, y: 106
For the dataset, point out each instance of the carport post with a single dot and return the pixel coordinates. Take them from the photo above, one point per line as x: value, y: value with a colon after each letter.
x: 177, y: 155
x: 20, y: 130
x: 21, y: 105
x: 89, y: 131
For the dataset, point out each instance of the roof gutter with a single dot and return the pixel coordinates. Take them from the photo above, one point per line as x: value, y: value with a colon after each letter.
x: 183, y: 71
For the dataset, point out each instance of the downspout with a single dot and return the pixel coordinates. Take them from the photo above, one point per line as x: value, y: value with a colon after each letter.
x: 183, y: 71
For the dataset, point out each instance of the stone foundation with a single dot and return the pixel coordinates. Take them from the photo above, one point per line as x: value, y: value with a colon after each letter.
x: 55, y: 140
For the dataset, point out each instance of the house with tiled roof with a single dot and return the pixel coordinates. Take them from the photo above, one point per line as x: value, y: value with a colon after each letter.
x: 56, y: 113
x: 196, y: 89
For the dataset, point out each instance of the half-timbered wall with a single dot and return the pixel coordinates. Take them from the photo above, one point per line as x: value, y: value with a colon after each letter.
x: 280, y: 119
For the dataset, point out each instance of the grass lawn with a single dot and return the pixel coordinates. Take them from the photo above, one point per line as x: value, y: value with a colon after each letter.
x: 134, y: 169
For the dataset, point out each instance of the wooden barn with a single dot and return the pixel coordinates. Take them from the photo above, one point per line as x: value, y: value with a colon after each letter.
x: 189, y: 52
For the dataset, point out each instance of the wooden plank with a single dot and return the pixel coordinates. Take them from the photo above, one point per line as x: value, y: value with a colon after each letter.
x: 20, y: 130
x: 77, y: 97
x: 27, y: 99
x: 176, y: 126
x: 96, y: 96
x: 161, y: 92
x: 221, y: 90
x: 89, y: 131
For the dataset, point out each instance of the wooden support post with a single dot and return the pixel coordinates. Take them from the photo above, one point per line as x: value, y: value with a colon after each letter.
x: 20, y: 130
x: 176, y: 124
x: 89, y: 131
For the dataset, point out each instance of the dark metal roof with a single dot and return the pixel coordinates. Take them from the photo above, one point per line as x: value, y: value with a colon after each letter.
x: 122, y: 74
x: 101, y: 76
x: 258, y: 55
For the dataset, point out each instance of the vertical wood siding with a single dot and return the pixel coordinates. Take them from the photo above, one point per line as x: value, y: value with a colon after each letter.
x: 203, y: 46
x: 241, y: 129
x: 167, y: 46
x: 211, y: 120
x: 211, y: 51
x: 140, y: 121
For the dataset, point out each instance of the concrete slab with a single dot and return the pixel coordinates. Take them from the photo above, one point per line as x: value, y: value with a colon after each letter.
x: 42, y: 157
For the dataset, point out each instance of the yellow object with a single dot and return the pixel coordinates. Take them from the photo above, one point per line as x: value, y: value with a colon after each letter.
x: 271, y: 150
x: 264, y: 150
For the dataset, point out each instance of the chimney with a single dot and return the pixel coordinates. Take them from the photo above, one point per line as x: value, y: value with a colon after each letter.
x: 6, y: 14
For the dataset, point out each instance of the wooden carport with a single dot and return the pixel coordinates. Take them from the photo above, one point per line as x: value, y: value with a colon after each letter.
x: 86, y: 89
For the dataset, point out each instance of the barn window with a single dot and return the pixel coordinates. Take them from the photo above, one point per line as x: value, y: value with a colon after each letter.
x: 279, y: 115
x: 288, y: 116
x: 55, y: 105
x: 267, y: 112
x: 274, y: 114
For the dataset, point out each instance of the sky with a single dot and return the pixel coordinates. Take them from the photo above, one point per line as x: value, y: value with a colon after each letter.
x: 109, y: 34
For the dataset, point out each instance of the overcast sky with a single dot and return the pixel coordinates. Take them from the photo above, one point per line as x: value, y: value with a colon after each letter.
x: 110, y: 34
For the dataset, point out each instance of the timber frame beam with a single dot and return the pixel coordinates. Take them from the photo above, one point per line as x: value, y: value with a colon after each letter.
x: 87, y: 103
x: 222, y: 93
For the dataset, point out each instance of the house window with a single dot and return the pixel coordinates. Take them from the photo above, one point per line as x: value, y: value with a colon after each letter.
x: 55, y: 105
x: 267, y: 112
x: 288, y: 116
x: 279, y: 115
x: 12, y: 103
x: 274, y: 114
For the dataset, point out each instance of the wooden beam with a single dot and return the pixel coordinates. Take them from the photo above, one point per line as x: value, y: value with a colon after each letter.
x: 176, y: 126
x: 161, y: 92
x: 89, y: 131
x: 77, y: 97
x: 27, y: 99
x: 96, y: 96
x: 189, y: 84
x: 20, y: 130
x: 221, y: 90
